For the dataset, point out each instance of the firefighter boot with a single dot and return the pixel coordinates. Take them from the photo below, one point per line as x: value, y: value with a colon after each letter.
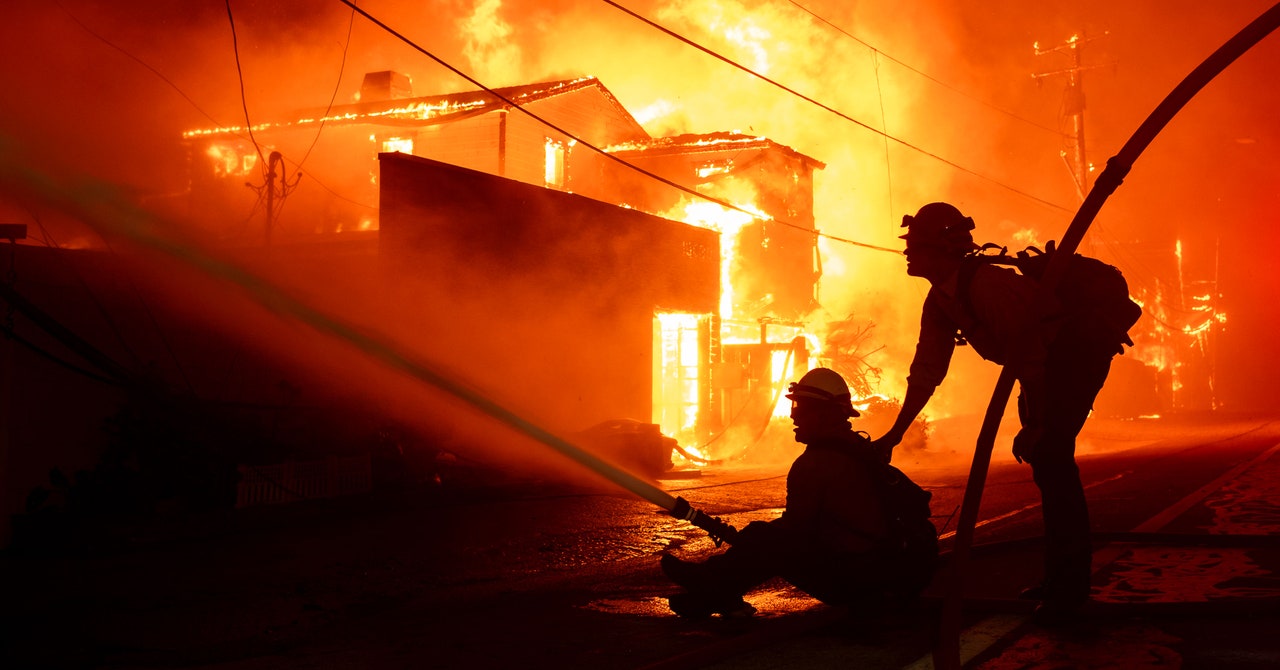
x: 692, y: 576
x: 701, y: 605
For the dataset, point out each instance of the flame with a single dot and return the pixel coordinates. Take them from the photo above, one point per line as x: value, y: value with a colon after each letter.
x: 729, y: 223
x: 676, y: 362
x: 700, y: 456
x: 783, y: 371
x: 653, y: 111
x: 229, y: 162
x: 402, y: 145
x: 414, y: 111
x: 751, y: 38
x: 1026, y: 237
x: 489, y: 45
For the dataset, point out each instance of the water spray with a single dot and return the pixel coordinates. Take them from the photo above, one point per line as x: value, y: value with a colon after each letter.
x: 98, y: 205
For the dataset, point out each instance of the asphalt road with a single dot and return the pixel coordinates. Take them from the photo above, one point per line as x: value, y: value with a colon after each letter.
x: 546, y: 574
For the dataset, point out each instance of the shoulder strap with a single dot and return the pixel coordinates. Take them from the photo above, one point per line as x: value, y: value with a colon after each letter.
x: 964, y: 281
x: 968, y: 268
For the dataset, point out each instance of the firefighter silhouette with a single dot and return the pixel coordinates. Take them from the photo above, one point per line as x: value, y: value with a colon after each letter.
x: 839, y: 537
x: 1059, y: 374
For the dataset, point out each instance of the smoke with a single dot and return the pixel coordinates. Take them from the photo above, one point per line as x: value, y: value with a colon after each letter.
x: 490, y: 50
x: 108, y: 89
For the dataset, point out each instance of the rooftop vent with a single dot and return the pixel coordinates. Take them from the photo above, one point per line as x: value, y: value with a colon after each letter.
x: 385, y: 85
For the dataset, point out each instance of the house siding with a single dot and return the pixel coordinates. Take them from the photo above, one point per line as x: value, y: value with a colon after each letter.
x: 557, y: 290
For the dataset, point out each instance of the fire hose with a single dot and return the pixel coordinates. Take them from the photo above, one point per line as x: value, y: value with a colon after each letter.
x: 946, y: 655
x: 719, y: 531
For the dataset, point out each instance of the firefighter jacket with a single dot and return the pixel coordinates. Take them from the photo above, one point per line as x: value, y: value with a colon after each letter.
x: 1005, y: 331
x: 832, y: 499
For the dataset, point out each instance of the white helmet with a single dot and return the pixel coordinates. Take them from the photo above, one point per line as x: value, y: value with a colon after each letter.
x: 826, y: 385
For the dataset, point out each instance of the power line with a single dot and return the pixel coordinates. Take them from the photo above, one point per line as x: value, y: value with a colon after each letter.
x: 926, y: 75
x: 198, y: 108
x: 235, y: 44
x: 139, y: 61
x: 244, y: 103
x: 884, y: 122
x: 285, y: 188
x: 589, y: 145
x: 825, y: 107
x: 341, y: 68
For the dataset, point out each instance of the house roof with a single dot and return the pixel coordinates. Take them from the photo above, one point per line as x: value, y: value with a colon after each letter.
x: 431, y: 109
x: 692, y: 143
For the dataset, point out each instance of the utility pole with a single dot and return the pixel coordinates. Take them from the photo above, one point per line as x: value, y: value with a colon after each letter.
x: 1073, y: 106
x: 275, y: 170
x: 272, y: 161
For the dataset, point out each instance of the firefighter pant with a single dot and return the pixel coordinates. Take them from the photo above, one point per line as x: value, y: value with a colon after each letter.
x: 766, y: 550
x: 1074, y: 374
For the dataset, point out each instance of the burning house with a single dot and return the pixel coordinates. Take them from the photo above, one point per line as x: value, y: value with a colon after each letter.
x: 533, y: 242
x: 552, y: 294
x: 551, y: 157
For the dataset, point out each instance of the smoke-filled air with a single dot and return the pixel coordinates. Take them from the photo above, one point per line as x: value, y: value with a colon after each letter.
x: 120, y: 122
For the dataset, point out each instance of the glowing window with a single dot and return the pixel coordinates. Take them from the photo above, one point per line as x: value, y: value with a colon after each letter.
x: 230, y: 161
x: 402, y: 145
x: 553, y: 165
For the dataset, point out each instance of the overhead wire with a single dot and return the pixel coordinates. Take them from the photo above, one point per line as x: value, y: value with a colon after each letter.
x: 49, y: 241
x: 336, y: 85
x: 244, y: 102
x: 235, y: 43
x: 884, y: 124
x: 546, y: 122
x: 830, y: 109
x: 206, y: 114
x: 1137, y: 273
x: 875, y: 53
x: 141, y: 62
x: 1060, y: 132
x: 1145, y: 276
x: 300, y: 163
x: 926, y: 75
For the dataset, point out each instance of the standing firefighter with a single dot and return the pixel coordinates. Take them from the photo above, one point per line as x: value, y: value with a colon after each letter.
x: 855, y: 532
x: 1060, y: 365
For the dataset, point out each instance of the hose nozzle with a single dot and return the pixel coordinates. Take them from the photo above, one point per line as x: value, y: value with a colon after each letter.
x: 719, y: 531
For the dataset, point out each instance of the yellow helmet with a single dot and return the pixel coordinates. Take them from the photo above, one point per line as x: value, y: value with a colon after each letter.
x: 823, y: 384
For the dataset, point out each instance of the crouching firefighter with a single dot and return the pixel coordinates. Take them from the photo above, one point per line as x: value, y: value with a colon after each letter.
x: 855, y: 532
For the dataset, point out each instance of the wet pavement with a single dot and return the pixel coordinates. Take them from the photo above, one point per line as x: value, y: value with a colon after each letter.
x: 540, y: 574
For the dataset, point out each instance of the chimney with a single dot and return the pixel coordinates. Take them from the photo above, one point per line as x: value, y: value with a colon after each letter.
x: 385, y: 85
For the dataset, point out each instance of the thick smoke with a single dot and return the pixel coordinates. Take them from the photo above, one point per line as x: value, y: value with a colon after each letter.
x: 108, y: 89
